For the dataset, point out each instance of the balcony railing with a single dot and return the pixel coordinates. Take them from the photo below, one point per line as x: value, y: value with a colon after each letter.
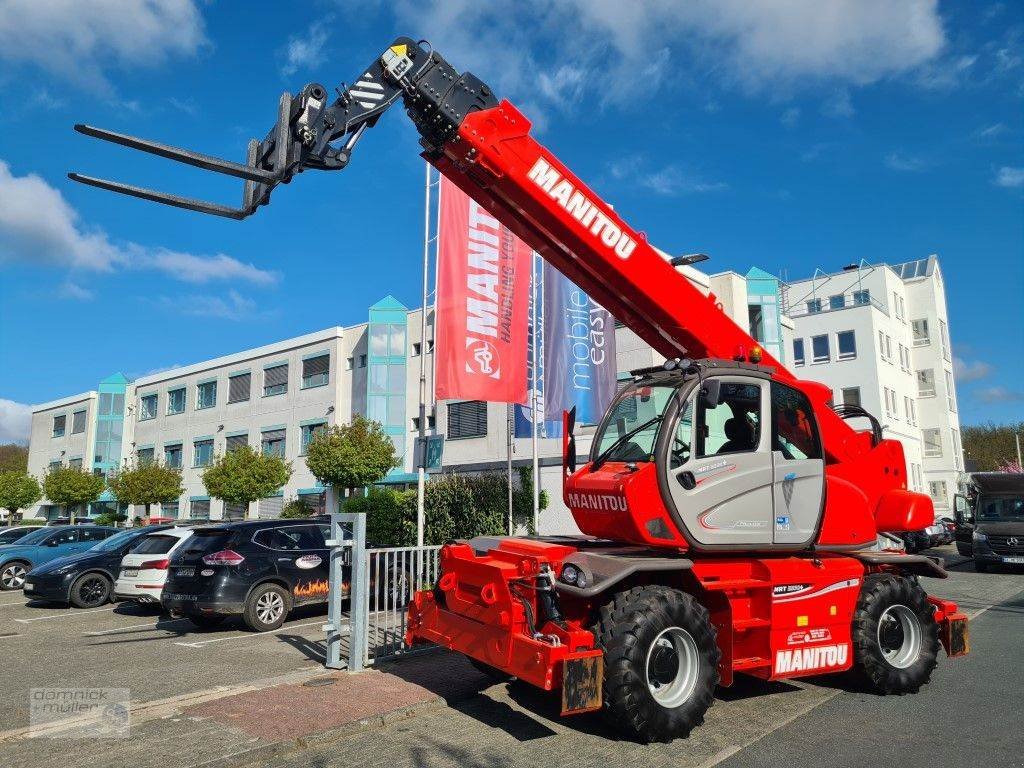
x: 804, y: 308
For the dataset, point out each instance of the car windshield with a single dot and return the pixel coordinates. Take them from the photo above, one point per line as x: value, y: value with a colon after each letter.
x: 116, y: 541
x: 6, y: 537
x: 37, y: 536
x: 998, y: 509
x: 155, y: 544
x: 632, y: 425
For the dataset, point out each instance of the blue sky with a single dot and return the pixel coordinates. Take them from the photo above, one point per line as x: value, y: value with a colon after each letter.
x: 790, y: 134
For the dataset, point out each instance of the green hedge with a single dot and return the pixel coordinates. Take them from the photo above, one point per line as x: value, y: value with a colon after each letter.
x: 455, y: 507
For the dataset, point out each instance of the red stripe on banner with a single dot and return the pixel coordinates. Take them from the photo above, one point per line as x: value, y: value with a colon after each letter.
x: 483, y: 285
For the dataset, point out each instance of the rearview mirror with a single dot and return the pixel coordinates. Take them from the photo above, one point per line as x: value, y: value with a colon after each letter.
x: 711, y: 392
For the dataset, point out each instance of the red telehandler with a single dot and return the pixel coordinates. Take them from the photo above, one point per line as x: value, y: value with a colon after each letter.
x: 728, y: 508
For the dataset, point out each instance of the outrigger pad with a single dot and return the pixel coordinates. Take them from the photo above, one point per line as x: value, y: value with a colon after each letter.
x: 955, y: 636
x: 581, y: 684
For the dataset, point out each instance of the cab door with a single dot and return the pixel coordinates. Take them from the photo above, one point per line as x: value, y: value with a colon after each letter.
x: 722, y: 485
x: 798, y: 467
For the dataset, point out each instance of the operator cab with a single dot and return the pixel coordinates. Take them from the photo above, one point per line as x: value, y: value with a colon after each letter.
x: 738, y: 456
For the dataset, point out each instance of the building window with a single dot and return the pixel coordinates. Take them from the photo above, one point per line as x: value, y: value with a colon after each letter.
x: 944, y: 339
x: 860, y: 298
x: 75, y: 464
x: 147, y: 407
x: 199, y: 509
x: 431, y: 423
x: 349, y: 363
x: 897, y: 304
x: 54, y: 465
x: 905, y: 358
x: 885, y: 397
x: 270, y: 508
x: 932, y: 442
x: 888, y: 348
x: 416, y: 349
x: 203, y: 452
x: 430, y: 346
x: 908, y: 409
x: 920, y: 330
x: 814, y: 306
x: 851, y: 395
x: 836, y: 302
x: 309, y: 431
x: 239, y: 386
x: 362, y: 361
x: 926, y: 383
x: 798, y: 351
x: 272, y: 442
x: 235, y: 511
x: 172, y: 455
x: 145, y: 456
x: 467, y: 419
x: 847, y: 345
x: 78, y: 422
x: 275, y: 380
x: 937, y: 490
x: 59, y: 424
x: 234, y: 442
x: 957, y: 450
x: 819, y: 349
x: 950, y: 396
x: 206, y: 395
x: 755, y: 321
x: 169, y: 509
x: 176, y: 401
x: 316, y: 371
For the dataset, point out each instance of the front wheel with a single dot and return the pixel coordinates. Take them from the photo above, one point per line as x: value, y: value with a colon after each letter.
x: 12, y: 576
x: 91, y: 591
x: 895, y: 637
x: 660, y: 662
x: 266, y: 608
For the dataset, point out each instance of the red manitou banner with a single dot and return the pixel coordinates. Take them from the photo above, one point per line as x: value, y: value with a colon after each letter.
x: 483, y: 283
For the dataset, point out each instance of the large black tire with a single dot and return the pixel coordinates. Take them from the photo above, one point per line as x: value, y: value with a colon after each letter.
x: 267, y: 608
x: 91, y: 590
x: 12, y: 575
x: 660, y: 662
x: 895, y: 637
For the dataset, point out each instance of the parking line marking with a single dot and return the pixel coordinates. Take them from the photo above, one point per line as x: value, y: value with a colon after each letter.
x: 203, y: 643
x: 71, y: 612
x: 115, y: 630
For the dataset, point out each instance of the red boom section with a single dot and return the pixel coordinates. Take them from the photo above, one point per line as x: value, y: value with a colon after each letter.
x: 497, y: 163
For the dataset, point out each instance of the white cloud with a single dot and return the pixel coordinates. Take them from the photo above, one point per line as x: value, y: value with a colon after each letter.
x: 991, y: 131
x: 70, y: 290
x: 790, y: 117
x: 838, y: 104
x: 970, y: 370
x: 1009, y: 176
x: 304, y: 51
x: 80, y: 40
x: 904, y: 163
x: 38, y: 226
x: 667, y: 180
x: 999, y: 395
x: 232, y: 306
x: 15, y: 421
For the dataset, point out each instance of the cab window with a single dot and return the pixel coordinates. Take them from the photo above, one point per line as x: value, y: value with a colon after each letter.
x: 794, y: 434
x: 292, y: 538
x: 682, y: 438
x: 63, y: 537
x: 632, y: 425
x: 95, y: 534
x: 732, y: 426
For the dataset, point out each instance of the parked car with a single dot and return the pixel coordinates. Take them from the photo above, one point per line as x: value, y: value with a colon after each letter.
x: 990, y: 519
x: 915, y: 541
x: 84, y: 579
x: 259, y: 570
x: 144, y: 569
x: 11, y: 534
x: 42, y: 546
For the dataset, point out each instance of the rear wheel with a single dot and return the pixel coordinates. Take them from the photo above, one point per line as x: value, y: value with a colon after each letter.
x: 91, y: 591
x: 12, y: 576
x: 895, y: 637
x: 660, y: 662
x: 266, y: 608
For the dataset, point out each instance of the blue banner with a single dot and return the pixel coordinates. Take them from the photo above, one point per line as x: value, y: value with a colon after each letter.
x: 578, y: 351
x: 523, y: 414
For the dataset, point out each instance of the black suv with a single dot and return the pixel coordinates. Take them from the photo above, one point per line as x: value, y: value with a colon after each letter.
x: 258, y: 570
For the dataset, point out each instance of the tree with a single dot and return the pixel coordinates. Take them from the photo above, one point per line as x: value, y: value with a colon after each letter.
x: 146, y: 484
x: 72, y: 487
x: 295, y: 509
x: 18, y: 489
x: 13, y: 457
x: 991, y: 447
x: 351, y: 456
x: 241, y: 476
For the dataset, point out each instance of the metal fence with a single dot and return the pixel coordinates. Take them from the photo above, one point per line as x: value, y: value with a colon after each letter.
x: 375, y: 586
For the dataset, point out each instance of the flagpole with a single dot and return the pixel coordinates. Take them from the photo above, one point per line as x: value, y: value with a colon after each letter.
x: 421, y: 469
x: 533, y: 404
x: 509, y: 420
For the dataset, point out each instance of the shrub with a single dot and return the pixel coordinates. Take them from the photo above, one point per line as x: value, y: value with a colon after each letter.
x: 296, y: 508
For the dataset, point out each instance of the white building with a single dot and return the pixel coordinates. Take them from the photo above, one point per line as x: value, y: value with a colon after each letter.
x: 878, y: 335
x: 274, y: 396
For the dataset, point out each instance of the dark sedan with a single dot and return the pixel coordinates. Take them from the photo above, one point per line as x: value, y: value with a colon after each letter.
x: 85, y: 579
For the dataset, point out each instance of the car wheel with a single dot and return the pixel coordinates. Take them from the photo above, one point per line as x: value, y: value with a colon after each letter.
x: 980, y: 566
x: 895, y: 637
x: 203, y: 621
x: 13, y: 576
x: 91, y: 590
x: 266, y: 608
x: 660, y: 662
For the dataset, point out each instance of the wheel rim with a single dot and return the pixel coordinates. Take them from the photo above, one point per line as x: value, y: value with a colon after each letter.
x: 93, y: 591
x: 899, y: 636
x: 13, y: 577
x: 269, y: 607
x: 672, y: 667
